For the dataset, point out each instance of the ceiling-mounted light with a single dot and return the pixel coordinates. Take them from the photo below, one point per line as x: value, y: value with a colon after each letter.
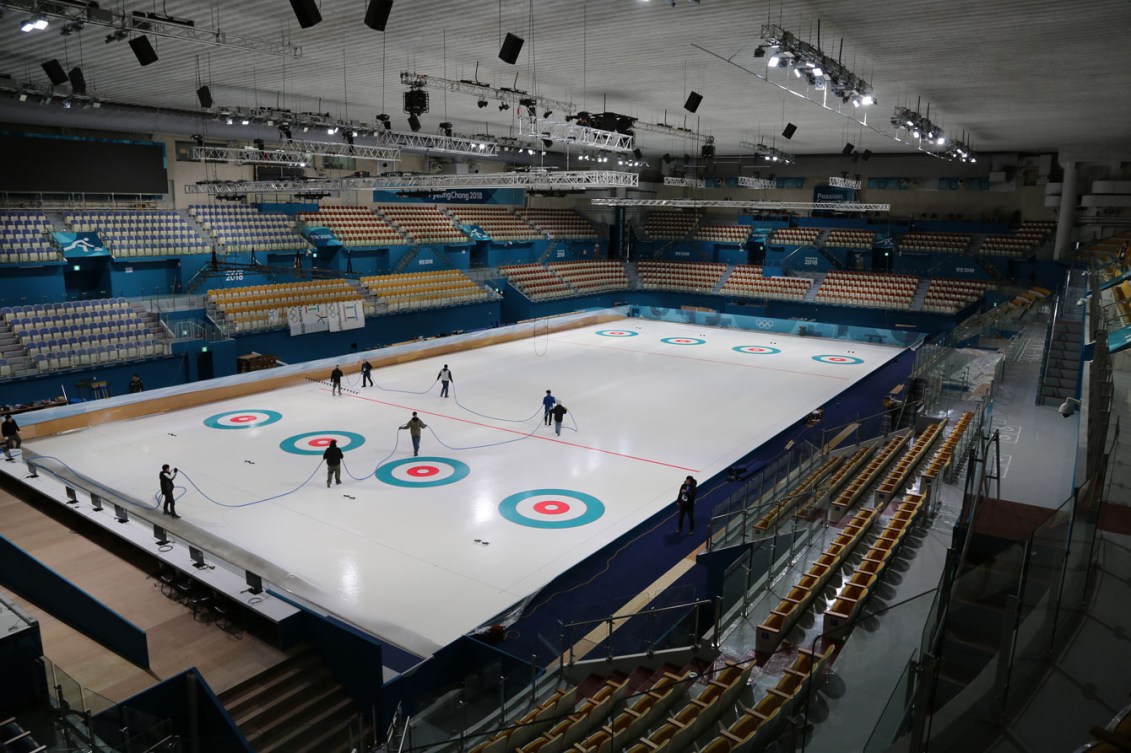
x: 245, y: 121
x: 503, y: 106
x: 446, y: 128
x: 481, y: 103
x: 229, y: 121
x: 773, y: 61
x: 35, y: 23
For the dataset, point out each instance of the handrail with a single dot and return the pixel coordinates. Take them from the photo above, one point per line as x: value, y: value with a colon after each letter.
x: 1058, y: 303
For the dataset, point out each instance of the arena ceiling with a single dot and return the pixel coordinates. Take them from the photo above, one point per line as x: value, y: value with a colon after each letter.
x: 1014, y: 75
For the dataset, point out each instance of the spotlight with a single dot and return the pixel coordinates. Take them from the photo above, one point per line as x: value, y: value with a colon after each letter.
x: 503, y: 106
x: 198, y: 139
x: 547, y: 114
x: 773, y: 61
x: 414, y: 122
x: 481, y: 103
x: 35, y: 23
x: 547, y: 143
x: 759, y: 52
x: 817, y: 72
x: 385, y: 122
x: 245, y: 121
x: 66, y: 104
x: 446, y: 129
x: 229, y: 121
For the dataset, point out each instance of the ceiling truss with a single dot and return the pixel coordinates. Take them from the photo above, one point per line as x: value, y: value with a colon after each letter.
x: 534, y: 180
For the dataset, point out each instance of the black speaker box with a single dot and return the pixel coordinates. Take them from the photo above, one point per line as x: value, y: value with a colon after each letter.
x: 78, y: 81
x: 204, y: 95
x: 306, y: 11
x: 143, y: 50
x: 789, y: 130
x: 847, y: 150
x: 693, y: 100
x: 55, y: 72
x: 377, y: 15
x: 512, y: 45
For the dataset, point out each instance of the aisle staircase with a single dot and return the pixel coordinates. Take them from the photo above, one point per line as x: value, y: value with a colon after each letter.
x: 266, y: 707
x: 1063, y: 369
x: 811, y: 294
x: 920, y: 296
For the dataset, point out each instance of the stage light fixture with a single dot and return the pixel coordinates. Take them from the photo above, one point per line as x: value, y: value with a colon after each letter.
x: 773, y: 61
x: 446, y: 129
x: 385, y: 121
x: 229, y: 121
x: 547, y: 114
x: 414, y: 122
x: 377, y: 14
x: 481, y: 103
x: 759, y: 52
x: 503, y: 106
x: 35, y: 23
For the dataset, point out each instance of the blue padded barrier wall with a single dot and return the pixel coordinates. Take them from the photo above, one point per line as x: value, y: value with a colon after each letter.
x: 21, y: 285
x: 187, y: 701
x: 162, y: 372
x: 28, y: 576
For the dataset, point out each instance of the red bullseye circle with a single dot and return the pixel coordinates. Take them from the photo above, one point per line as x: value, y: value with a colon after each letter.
x: 241, y: 419
x: 835, y: 359
x: 616, y: 332
x: 551, y: 507
x: 320, y: 442
x: 421, y: 471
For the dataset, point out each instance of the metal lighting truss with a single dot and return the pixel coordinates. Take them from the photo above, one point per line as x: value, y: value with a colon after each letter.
x: 668, y: 130
x: 578, y: 135
x: 535, y: 180
x: 298, y: 153
x: 758, y: 184
x: 422, y: 142
x: 812, y: 64
x: 685, y: 182
x: 838, y: 182
x: 76, y: 13
x: 483, y: 91
x: 784, y: 206
x: 919, y: 126
x: 769, y: 153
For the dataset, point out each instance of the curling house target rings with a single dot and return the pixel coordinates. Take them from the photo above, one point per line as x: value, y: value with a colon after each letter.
x: 316, y: 442
x: 683, y: 341
x: 758, y: 350
x: 551, y: 508
x: 837, y: 360
x: 242, y: 419
x: 616, y: 333
x: 422, y: 472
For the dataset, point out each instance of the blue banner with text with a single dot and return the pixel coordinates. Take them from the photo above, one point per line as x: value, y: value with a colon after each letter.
x: 508, y: 196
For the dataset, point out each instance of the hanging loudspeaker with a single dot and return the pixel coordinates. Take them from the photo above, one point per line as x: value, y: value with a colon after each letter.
x: 789, y: 130
x: 512, y: 45
x: 78, y: 81
x: 204, y: 94
x: 306, y: 11
x: 55, y: 72
x: 847, y: 150
x: 693, y: 100
x: 143, y: 50
x: 377, y: 15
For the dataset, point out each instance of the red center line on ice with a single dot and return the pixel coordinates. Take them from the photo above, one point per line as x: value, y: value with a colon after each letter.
x: 527, y: 434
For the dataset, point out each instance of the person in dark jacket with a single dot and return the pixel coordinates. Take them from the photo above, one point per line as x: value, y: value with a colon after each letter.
x: 136, y: 384
x: 414, y: 427
x: 336, y: 381
x: 547, y: 406
x: 11, y: 431
x: 686, y: 504
x: 333, y: 457
x: 166, y: 477
x: 366, y: 373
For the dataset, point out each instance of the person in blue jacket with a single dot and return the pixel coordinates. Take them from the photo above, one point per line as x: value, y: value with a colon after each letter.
x: 548, y: 404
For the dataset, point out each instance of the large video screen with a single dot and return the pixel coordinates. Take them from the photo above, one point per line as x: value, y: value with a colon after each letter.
x: 49, y: 164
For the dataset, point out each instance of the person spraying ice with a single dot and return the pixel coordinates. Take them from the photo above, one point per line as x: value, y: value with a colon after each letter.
x: 548, y: 403
x: 415, y: 426
x: 558, y: 413
x: 445, y: 376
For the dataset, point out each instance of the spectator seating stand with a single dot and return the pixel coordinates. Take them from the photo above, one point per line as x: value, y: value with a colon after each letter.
x: 692, y: 277
x: 747, y: 280
x: 140, y: 233
x: 25, y: 236
x: 257, y: 307
x: 354, y: 226
x: 563, y: 224
x: 240, y: 229
x: 410, y: 290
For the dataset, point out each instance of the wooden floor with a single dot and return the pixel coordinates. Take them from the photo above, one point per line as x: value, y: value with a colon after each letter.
x: 120, y: 581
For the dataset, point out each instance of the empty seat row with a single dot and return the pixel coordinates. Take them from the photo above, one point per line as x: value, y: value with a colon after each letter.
x: 840, y: 476
x: 852, y: 493
x: 945, y: 454
x: 899, y: 475
x: 559, y: 223
x: 782, y: 618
